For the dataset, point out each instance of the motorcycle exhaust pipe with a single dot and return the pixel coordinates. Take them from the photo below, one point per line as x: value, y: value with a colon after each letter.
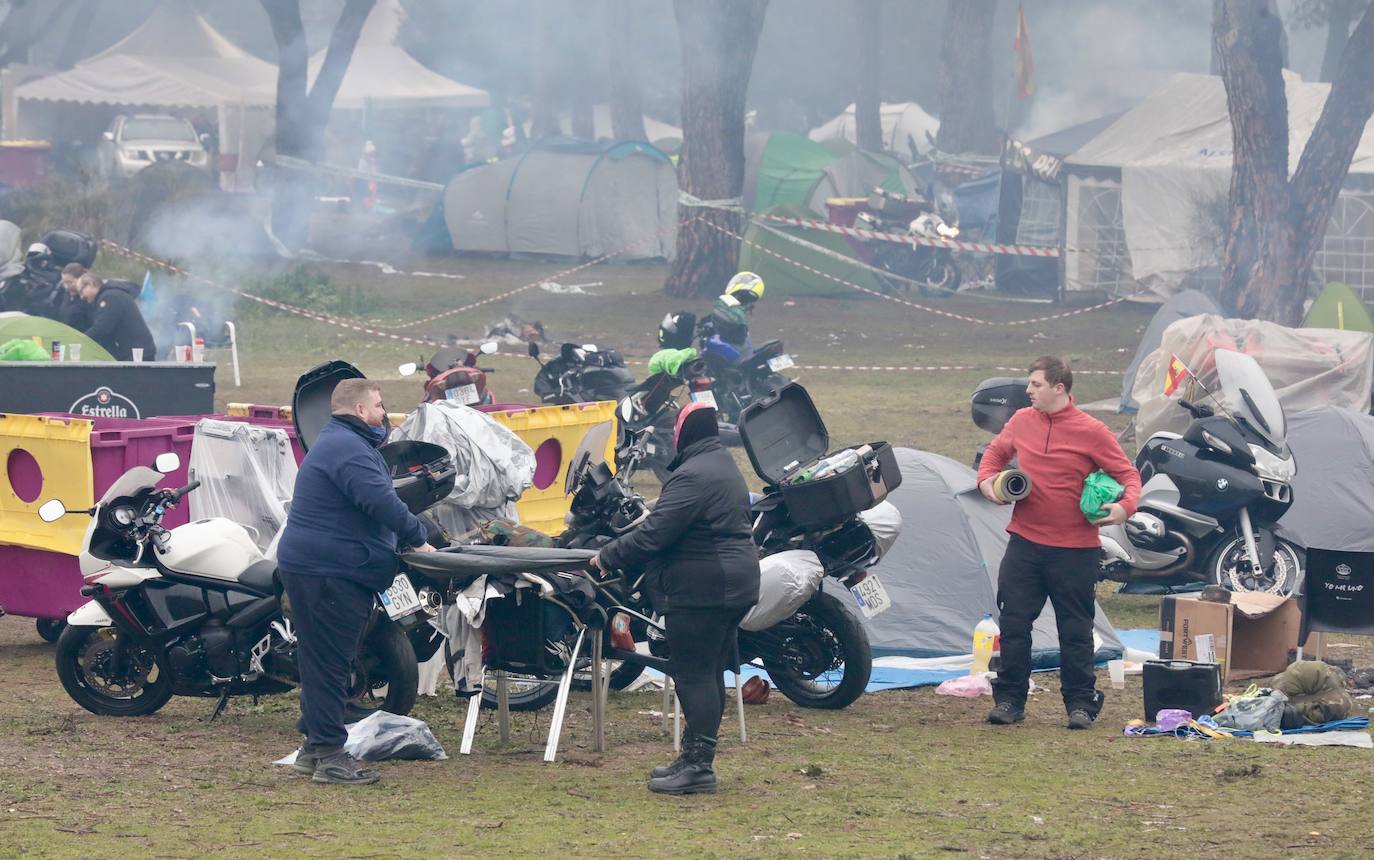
x: 1178, y: 567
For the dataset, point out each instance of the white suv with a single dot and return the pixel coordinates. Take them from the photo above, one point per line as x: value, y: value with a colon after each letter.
x: 134, y: 142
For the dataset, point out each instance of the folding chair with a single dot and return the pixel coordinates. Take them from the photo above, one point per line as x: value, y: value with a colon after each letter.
x: 1337, y: 596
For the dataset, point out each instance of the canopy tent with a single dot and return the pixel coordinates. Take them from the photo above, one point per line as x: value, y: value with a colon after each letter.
x: 569, y: 198
x: 1333, y: 489
x: 942, y: 575
x: 904, y: 124
x: 601, y: 125
x: 14, y: 325
x: 382, y: 74
x: 1140, y: 195
x: 1338, y: 307
x: 1189, y: 303
x: 174, y: 60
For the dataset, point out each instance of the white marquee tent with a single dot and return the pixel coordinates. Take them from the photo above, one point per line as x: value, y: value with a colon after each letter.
x: 900, y: 121
x: 1137, y: 193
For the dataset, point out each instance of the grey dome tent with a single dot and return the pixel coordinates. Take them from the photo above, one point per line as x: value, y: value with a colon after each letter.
x: 942, y: 572
x: 568, y: 198
x: 1181, y: 305
x: 1333, y: 490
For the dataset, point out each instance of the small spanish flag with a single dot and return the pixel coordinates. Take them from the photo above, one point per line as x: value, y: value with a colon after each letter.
x: 1175, y: 374
x: 1025, y: 67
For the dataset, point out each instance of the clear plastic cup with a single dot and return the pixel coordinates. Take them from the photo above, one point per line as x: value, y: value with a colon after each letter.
x: 74, y: 351
x: 1117, y: 670
x: 138, y: 353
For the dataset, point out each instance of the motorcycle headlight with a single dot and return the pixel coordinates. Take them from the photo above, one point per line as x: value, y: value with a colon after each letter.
x: 1270, y: 465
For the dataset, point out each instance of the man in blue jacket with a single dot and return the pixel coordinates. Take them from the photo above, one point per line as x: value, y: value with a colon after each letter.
x: 337, y: 551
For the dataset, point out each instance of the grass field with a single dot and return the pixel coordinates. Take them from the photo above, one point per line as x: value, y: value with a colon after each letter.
x: 905, y: 774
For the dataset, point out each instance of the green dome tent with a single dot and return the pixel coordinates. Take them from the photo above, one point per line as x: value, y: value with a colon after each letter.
x: 22, y: 326
x: 1338, y: 307
x: 765, y: 246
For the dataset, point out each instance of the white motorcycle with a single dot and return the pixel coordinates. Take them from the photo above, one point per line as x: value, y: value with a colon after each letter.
x: 198, y: 611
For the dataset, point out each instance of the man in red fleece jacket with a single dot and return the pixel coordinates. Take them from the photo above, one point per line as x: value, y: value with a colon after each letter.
x: 1053, y: 550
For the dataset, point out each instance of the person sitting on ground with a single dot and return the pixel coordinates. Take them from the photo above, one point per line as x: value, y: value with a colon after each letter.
x: 116, y: 322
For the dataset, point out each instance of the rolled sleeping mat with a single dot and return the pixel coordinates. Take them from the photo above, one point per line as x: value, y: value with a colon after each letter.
x: 1011, y: 485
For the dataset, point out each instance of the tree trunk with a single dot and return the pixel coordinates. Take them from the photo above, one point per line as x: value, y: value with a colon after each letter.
x: 967, y: 121
x: 868, y: 122
x: 719, y: 38
x: 302, y: 114
x: 627, y: 110
x: 543, y: 114
x: 1277, y: 225
x: 74, y: 47
x: 1338, y: 17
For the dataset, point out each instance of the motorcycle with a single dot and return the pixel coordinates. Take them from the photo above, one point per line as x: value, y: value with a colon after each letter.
x: 648, y: 413
x: 931, y: 268
x: 741, y: 378
x: 453, y: 374
x: 198, y: 610
x: 819, y: 656
x: 1212, y: 495
x: 581, y: 374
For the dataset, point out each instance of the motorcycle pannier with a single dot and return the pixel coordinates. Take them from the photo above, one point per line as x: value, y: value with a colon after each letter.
x: 996, y: 400
x: 784, y: 436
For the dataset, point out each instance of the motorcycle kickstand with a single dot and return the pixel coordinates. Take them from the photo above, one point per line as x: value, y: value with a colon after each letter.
x: 220, y: 705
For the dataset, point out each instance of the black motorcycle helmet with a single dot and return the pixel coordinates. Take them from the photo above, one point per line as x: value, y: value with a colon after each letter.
x: 677, y: 330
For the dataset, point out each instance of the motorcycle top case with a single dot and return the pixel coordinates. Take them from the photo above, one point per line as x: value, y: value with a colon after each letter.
x: 70, y: 246
x: 995, y: 400
x: 783, y: 434
x: 422, y: 473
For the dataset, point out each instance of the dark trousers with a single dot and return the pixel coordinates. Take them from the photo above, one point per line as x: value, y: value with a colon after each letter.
x: 701, y: 646
x: 1031, y: 572
x: 330, y: 616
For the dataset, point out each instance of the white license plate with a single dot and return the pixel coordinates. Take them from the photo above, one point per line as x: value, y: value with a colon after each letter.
x: 781, y: 363
x: 707, y: 397
x: 464, y: 394
x: 400, y: 599
x: 871, y: 596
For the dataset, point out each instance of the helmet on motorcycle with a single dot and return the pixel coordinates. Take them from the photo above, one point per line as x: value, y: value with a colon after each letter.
x: 745, y: 287
x: 677, y: 330
x: 39, y: 251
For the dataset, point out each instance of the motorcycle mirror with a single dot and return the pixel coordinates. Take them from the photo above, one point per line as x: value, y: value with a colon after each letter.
x: 589, y: 347
x: 626, y: 410
x: 534, y: 349
x: 489, y: 348
x: 167, y: 462
x: 408, y: 369
x: 52, y: 511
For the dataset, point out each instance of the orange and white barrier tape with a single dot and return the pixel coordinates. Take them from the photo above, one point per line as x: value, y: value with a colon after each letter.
x: 907, y: 239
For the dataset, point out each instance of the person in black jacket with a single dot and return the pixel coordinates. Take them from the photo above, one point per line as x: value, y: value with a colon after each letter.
x: 117, y: 323
x: 703, y: 576
x: 339, y: 549
x: 69, y: 308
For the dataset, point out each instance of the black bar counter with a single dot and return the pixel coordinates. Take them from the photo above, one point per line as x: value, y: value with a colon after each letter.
x: 108, y: 389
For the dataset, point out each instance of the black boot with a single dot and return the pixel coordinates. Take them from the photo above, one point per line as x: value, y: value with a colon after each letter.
x: 697, y: 775
x: 668, y: 770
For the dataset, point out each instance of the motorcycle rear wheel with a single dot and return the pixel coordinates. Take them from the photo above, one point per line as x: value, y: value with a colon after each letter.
x: 387, y: 675
x: 839, y: 635
x: 1229, y: 568
x: 83, y: 656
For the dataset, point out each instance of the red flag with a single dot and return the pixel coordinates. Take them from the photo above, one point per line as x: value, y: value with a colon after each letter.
x: 1174, y: 375
x: 1025, y: 67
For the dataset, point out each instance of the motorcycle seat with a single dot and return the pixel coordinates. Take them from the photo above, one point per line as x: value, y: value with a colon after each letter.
x: 474, y: 561
x: 261, y: 576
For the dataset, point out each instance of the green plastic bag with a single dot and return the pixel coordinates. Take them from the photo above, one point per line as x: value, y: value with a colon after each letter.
x: 1099, y: 490
x: 23, y: 349
x: 671, y: 360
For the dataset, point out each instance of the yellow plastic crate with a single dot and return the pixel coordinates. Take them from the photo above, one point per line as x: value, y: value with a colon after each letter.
x: 44, y: 458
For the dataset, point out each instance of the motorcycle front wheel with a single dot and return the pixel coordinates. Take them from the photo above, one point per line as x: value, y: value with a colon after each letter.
x: 1229, y: 567
x: 86, y: 667
x: 820, y: 656
x: 523, y: 692
x: 386, y: 675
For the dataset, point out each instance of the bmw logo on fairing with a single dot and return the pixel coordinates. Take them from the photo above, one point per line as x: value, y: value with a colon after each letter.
x: 1222, y: 483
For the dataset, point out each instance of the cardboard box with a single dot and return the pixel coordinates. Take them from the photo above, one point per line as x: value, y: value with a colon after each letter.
x: 1251, y: 636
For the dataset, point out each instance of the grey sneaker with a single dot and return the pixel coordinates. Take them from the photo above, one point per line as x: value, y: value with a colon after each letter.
x: 306, y: 758
x: 1005, y: 714
x: 340, y: 768
x: 1080, y: 719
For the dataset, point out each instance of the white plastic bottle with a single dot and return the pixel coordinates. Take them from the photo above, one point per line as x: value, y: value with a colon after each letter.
x: 985, y: 636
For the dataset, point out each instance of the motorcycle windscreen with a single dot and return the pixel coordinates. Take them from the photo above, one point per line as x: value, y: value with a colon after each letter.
x: 1250, y: 396
x: 590, y: 453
